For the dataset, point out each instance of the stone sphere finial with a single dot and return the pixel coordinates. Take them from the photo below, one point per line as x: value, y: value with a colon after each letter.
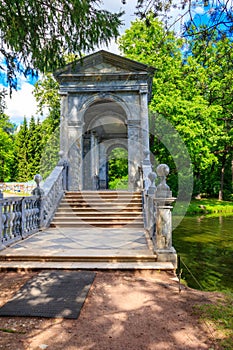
x: 37, y: 191
x: 162, y: 170
x: 38, y: 179
x: 152, y: 176
x: 61, y: 154
x: 152, y: 188
x: 163, y: 190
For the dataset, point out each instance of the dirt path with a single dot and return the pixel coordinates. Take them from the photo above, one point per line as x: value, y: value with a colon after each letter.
x: 123, y: 311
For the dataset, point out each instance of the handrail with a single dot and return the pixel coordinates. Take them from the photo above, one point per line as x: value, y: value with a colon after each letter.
x: 53, y: 193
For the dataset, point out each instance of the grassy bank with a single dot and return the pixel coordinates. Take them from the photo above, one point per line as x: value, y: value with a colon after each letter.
x: 209, y: 206
x: 219, y: 317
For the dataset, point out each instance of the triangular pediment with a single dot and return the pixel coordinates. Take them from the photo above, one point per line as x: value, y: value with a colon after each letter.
x: 103, y: 62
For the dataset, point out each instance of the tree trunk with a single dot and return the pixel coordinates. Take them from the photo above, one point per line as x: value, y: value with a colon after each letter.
x: 220, y: 194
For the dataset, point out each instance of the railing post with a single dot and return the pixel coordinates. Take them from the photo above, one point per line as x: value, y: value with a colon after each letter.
x: 151, y: 207
x: 1, y: 227
x: 63, y: 162
x: 23, y: 217
x: 146, y: 170
x: 163, y: 237
x: 37, y: 191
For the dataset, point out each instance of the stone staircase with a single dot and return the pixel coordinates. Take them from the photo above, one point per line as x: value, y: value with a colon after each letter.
x: 90, y: 230
x: 105, y: 209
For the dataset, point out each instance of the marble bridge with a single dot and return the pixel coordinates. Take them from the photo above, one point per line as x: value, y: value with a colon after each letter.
x: 74, y: 220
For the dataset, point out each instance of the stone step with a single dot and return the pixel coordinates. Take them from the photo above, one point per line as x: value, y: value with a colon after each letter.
x: 112, y: 193
x: 100, y: 202
x: 100, y: 196
x: 78, y: 209
x: 94, y: 220
x: 102, y: 224
x: 89, y: 211
x: 114, y: 197
x: 97, y: 223
x: 109, y: 256
x: 104, y: 216
x: 96, y: 208
x: 35, y: 265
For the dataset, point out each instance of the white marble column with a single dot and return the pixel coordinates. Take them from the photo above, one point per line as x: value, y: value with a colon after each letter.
x: 102, y: 166
x: 134, y: 154
x: 75, y: 156
x: 144, y: 121
x: 64, y: 125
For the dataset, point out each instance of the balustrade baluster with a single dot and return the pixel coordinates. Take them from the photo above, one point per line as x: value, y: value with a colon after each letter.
x: 20, y: 217
x: 23, y: 218
x: 1, y: 225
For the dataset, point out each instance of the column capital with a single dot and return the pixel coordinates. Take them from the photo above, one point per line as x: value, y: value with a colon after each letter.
x: 143, y: 90
x: 75, y: 124
x: 133, y: 123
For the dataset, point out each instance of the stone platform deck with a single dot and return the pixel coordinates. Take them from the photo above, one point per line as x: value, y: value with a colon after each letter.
x: 83, y: 248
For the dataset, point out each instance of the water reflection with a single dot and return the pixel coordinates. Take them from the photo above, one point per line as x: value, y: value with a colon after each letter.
x: 205, y: 245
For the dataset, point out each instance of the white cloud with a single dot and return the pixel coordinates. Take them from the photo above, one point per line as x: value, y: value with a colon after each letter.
x: 21, y: 104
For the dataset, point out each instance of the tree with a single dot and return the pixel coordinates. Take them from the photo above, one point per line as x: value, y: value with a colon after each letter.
x: 6, y: 148
x: 34, y: 147
x: 21, y: 152
x: 118, y: 169
x: 215, y: 58
x: 178, y: 100
x: 217, y: 15
x: 47, y: 96
x: 35, y: 34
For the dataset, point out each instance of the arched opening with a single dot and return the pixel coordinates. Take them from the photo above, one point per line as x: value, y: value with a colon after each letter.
x: 118, y: 169
x: 105, y: 127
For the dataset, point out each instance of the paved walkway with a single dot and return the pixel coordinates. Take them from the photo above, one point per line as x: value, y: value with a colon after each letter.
x: 83, y: 248
x: 54, y: 241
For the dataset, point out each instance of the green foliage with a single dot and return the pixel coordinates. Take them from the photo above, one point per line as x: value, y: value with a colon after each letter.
x: 6, y: 147
x: 36, y: 34
x: 21, y: 153
x: 46, y: 94
x: 119, y: 183
x: 36, y: 149
x: 49, y: 150
x: 193, y: 94
x: 118, y: 169
x: 210, y: 206
x: 6, y: 155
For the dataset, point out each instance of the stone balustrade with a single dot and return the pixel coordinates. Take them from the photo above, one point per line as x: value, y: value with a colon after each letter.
x: 157, y: 211
x: 19, y: 217
x: 23, y: 216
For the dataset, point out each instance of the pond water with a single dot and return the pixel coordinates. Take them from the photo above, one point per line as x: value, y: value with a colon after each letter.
x: 205, y: 245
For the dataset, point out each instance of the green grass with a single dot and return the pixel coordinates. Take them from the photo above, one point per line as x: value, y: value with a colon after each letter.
x: 209, y: 206
x: 220, y: 315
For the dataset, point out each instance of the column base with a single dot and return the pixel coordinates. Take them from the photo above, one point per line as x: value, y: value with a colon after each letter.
x: 167, y: 255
